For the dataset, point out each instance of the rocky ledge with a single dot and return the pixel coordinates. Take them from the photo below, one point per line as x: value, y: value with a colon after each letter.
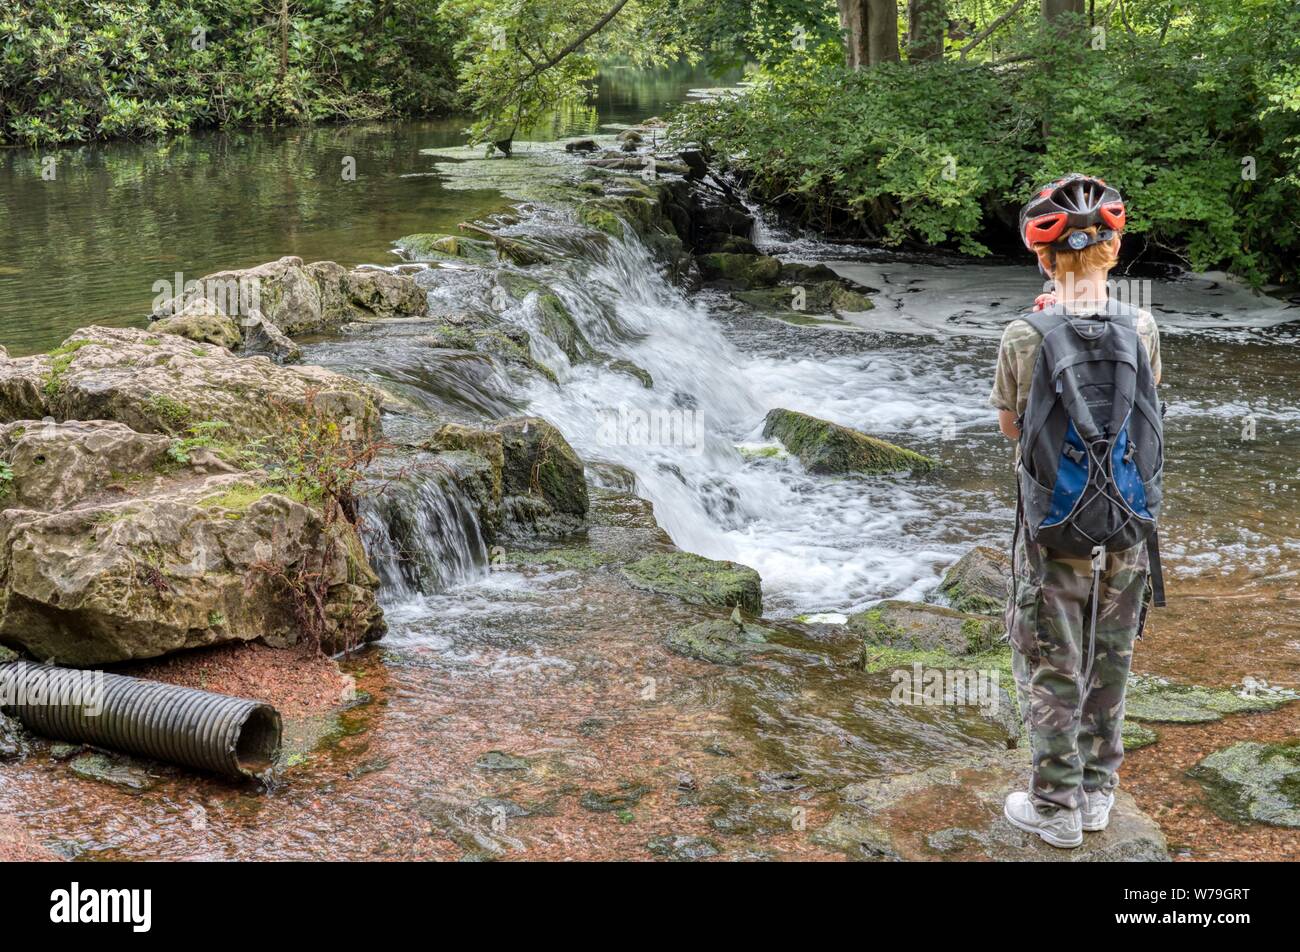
x: 160, y: 493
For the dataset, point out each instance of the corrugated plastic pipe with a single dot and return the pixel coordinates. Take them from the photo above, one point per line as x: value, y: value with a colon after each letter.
x: 231, y: 736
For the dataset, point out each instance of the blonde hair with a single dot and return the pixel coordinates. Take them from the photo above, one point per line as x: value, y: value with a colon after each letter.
x: 1094, y: 258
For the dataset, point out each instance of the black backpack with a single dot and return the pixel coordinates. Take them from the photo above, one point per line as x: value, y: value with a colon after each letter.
x: 1092, y: 438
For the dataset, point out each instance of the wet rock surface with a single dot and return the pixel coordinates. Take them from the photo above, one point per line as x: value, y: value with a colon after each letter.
x: 698, y: 580
x: 979, y: 581
x: 955, y: 813
x: 827, y: 448
x: 921, y: 627
x: 1250, y: 782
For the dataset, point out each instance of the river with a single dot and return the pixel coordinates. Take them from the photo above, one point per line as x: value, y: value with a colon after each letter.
x: 551, y: 664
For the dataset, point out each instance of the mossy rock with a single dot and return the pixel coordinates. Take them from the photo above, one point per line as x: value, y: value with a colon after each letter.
x: 1251, y: 782
x: 977, y: 582
x: 740, y: 270
x: 1157, y: 700
x: 721, y: 641
x: 437, y: 247
x: 542, y: 473
x: 920, y: 627
x: 683, y: 849
x: 206, y: 326
x: 827, y: 448
x: 700, y: 581
x: 632, y: 370
x: 558, y: 325
x: 1136, y: 736
x: 598, y: 215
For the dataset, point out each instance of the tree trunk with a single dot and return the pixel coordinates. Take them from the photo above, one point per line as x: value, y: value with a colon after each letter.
x: 1053, y: 10
x: 927, y: 20
x: 853, y: 22
x: 882, y: 31
x: 870, y: 31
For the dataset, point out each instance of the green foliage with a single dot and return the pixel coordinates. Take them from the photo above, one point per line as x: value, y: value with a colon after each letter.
x: 523, y: 58
x: 73, y: 71
x: 1176, y: 109
x: 6, y: 478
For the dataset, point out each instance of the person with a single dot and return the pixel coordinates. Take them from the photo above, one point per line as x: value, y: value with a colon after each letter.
x: 1079, y: 600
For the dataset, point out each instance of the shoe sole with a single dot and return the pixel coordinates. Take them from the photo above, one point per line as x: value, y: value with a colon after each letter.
x: 1096, y: 827
x: 1047, y: 837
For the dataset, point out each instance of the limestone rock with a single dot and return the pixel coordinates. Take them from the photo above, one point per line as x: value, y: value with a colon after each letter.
x: 202, y: 563
x: 162, y: 383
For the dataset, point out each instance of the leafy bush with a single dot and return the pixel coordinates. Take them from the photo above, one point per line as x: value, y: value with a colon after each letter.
x: 72, y: 70
x: 945, y: 153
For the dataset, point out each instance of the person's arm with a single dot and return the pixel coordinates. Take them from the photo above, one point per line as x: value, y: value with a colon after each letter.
x: 1004, y: 392
x: 1007, y: 424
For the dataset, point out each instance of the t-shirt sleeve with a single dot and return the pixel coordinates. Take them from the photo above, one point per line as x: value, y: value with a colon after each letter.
x: 1004, y: 394
x: 1156, y: 366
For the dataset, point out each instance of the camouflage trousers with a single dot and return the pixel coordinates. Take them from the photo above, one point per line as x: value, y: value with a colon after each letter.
x: 1075, y: 746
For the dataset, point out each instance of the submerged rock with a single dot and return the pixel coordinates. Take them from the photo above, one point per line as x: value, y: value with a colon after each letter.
x: 1158, y: 700
x: 920, y: 627
x: 827, y: 448
x: 698, y: 580
x: 439, y: 247
x: 721, y: 641
x: 978, y: 581
x: 1251, y: 782
x: 813, y: 298
x: 500, y: 760
x: 954, y: 812
x: 117, y: 770
x: 683, y: 849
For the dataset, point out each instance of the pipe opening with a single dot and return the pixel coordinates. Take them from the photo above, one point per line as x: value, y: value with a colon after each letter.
x: 259, y: 741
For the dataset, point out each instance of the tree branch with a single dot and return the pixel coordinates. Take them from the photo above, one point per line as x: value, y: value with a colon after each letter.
x: 991, y: 28
x: 573, y: 46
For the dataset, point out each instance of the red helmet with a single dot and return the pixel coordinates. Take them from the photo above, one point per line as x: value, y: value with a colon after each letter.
x: 1076, y: 201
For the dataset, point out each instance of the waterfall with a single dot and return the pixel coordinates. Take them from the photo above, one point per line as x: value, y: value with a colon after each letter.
x: 423, y: 534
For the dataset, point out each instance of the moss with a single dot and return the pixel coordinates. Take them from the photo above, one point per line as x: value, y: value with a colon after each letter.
x: 878, y: 658
x: 1250, y: 782
x: 558, y: 324
x: 1159, y: 701
x: 171, y: 413
x: 1137, y: 736
x: 216, y: 619
x: 827, y: 448
x: 740, y: 270
x: 6, y: 478
x: 722, y: 641
x: 239, y: 496
x: 698, y: 580
x: 577, y: 557
x: 61, y: 359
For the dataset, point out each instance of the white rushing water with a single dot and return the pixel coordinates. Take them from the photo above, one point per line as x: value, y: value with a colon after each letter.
x: 820, y: 544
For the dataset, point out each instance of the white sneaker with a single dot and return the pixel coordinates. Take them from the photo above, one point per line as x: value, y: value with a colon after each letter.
x: 1061, y: 828
x: 1096, y: 810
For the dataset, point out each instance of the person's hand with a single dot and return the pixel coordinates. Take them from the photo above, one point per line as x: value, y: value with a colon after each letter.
x: 1044, y: 301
